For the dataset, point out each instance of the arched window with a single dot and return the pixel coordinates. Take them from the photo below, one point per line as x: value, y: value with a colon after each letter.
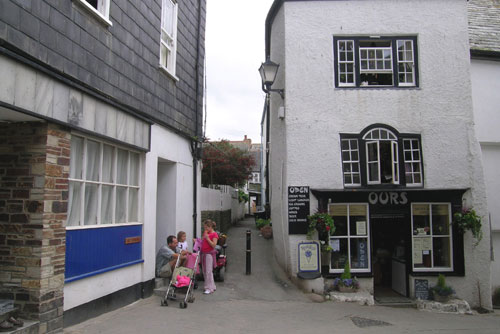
x: 382, y: 159
x: 380, y: 155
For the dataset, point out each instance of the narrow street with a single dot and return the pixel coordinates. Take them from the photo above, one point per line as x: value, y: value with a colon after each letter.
x: 266, y: 302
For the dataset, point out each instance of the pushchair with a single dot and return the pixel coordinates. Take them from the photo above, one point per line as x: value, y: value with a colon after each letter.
x: 183, y: 281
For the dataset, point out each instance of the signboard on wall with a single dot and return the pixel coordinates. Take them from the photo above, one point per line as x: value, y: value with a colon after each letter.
x: 298, y: 209
x: 422, y: 289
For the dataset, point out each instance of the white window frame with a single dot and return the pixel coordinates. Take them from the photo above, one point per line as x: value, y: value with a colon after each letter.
x: 405, y: 61
x: 376, y: 136
x: 346, y: 63
x: 100, y: 183
x: 167, y: 61
x: 349, y: 237
x: 450, y: 235
x: 352, y: 162
x: 101, y: 12
x: 409, y: 163
x: 255, y: 177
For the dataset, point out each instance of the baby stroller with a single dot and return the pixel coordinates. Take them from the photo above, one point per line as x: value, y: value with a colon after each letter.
x: 183, y: 281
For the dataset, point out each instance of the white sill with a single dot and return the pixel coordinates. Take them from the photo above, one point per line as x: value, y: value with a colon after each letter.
x: 167, y: 72
x: 85, y: 227
x: 95, y: 12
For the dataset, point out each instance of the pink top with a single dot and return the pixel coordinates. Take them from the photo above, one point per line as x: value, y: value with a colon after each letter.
x: 205, y: 246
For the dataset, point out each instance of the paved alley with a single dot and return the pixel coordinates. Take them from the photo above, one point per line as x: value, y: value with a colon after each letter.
x: 266, y: 302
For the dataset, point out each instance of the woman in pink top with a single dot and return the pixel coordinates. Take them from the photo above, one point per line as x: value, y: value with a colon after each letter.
x: 208, y: 253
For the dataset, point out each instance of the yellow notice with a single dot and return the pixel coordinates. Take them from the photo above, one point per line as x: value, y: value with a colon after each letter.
x: 360, y: 228
x: 357, y: 210
x: 417, y: 257
x: 418, y: 244
x: 426, y: 243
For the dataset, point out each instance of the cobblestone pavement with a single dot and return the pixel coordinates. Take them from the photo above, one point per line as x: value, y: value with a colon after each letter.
x: 266, y: 302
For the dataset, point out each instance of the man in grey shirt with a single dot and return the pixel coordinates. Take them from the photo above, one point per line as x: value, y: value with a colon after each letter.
x: 167, y: 257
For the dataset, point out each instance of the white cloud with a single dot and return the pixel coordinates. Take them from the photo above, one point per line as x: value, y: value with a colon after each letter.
x: 234, y: 51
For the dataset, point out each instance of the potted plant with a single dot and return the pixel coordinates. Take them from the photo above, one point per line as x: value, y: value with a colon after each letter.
x: 442, y: 292
x: 469, y: 220
x: 346, y: 283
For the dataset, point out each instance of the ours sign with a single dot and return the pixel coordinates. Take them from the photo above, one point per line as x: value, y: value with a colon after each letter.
x: 388, y: 198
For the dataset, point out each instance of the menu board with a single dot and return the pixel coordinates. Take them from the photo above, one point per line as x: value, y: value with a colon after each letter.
x: 298, y: 209
x: 422, y: 289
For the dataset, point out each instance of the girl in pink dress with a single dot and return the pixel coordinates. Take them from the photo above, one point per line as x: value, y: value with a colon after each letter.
x: 208, y: 253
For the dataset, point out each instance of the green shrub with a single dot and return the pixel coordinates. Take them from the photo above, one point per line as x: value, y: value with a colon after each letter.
x: 347, y: 271
x: 259, y: 223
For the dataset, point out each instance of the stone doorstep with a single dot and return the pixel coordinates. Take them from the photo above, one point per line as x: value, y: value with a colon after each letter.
x: 30, y: 327
x: 361, y: 297
x: 455, y: 306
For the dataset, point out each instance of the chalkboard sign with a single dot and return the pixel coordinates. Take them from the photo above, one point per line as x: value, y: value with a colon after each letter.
x: 422, y: 289
x: 298, y: 209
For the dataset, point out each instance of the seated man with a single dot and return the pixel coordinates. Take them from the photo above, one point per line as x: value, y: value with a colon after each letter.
x: 167, y: 257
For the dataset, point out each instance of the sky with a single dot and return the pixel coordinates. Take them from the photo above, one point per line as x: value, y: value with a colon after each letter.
x: 234, y: 45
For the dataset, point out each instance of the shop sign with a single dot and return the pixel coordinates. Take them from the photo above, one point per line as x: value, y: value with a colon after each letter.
x: 422, y: 289
x: 362, y: 253
x: 298, y: 209
x: 388, y: 198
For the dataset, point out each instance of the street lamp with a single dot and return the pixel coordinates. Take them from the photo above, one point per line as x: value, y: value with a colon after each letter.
x: 268, y: 72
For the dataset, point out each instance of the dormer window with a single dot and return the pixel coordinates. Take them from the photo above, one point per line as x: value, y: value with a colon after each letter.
x: 379, y: 155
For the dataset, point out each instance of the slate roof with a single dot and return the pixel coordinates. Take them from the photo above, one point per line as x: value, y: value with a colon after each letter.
x: 484, y: 25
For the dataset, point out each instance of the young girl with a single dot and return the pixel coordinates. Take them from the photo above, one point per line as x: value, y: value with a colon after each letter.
x: 181, y: 238
x: 208, y: 253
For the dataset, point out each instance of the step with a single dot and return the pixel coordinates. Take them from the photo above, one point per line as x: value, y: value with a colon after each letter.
x: 30, y: 327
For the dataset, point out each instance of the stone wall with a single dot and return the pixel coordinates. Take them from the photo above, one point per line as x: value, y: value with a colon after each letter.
x: 222, y: 218
x: 34, y: 170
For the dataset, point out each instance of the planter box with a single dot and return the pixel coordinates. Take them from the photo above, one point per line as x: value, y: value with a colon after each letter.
x: 347, y: 289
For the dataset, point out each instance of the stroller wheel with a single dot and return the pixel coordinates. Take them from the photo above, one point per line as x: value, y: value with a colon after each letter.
x: 163, y: 302
x: 222, y: 271
x: 183, y: 305
x: 191, y: 299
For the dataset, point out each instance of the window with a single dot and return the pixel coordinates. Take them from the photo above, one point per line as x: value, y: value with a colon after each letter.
x: 104, y: 184
x: 350, y: 162
x: 377, y: 156
x: 375, y: 61
x: 255, y: 177
x: 431, y: 241
x: 350, y: 241
x: 168, y: 42
x: 98, y: 7
x: 382, y: 157
x: 413, y: 163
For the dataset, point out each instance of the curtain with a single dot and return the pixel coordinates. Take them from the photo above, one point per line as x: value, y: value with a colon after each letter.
x: 76, y: 158
x: 74, y: 203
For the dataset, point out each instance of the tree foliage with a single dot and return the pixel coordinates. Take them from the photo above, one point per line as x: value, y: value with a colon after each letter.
x: 225, y: 164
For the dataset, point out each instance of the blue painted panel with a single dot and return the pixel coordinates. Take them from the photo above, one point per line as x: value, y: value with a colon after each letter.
x: 96, y: 250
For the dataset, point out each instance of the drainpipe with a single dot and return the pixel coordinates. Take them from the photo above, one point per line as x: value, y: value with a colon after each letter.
x: 196, y: 141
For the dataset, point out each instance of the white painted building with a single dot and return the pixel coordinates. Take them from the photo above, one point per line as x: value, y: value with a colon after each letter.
x: 378, y: 123
x: 484, y: 35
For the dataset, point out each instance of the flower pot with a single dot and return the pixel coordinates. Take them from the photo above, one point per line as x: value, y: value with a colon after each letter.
x: 441, y: 299
x: 347, y: 289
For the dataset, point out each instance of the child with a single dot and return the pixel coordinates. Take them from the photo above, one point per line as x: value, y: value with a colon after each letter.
x: 181, y: 238
x: 208, y: 253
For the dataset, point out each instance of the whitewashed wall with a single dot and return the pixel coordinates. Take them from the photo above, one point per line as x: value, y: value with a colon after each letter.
x: 485, y: 77
x: 440, y: 109
x: 222, y: 200
x: 171, y: 154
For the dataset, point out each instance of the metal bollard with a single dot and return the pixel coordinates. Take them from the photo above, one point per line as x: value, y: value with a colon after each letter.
x: 249, y: 252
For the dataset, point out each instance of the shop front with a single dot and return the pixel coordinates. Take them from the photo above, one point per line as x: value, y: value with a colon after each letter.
x: 391, y: 238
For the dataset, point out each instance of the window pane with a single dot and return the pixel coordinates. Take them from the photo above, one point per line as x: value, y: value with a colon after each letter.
x: 108, y: 163
x: 91, y: 198
x: 354, y: 156
x: 93, y: 160
x: 421, y: 221
x: 442, y: 252
x: 122, y: 165
x: 74, y: 204
x: 134, y: 169
x: 121, y: 205
x: 339, y: 214
x: 345, y: 156
x: 347, y: 178
x: 373, y: 171
x: 168, y: 16
x: 107, y: 205
x: 440, y: 219
x: 76, y: 161
x: 133, y: 205
x: 357, y: 220
x: 345, y: 145
x: 359, y: 253
x: 417, y: 178
x: 347, y: 167
x: 356, y: 179
x: 339, y: 252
